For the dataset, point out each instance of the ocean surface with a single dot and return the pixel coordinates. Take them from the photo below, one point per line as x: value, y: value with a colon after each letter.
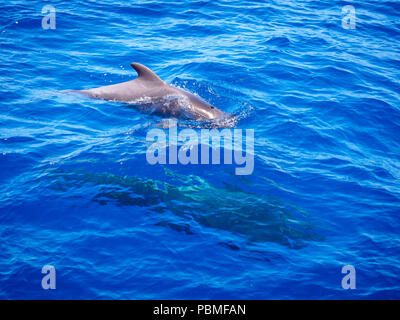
x: 77, y: 193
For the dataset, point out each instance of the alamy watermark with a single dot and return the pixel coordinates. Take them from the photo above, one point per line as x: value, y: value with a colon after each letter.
x: 348, y: 17
x: 195, y: 147
x: 349, y: 280
x: 49, y: 280
x: 49, y: 20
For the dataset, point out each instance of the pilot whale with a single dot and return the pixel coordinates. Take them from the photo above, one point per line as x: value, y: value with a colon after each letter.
x: 151, y: 94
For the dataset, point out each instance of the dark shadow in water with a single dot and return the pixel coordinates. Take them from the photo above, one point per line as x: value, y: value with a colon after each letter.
x: 248, y: 215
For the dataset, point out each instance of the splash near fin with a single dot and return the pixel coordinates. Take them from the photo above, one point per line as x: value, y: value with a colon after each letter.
x: 145, y: 73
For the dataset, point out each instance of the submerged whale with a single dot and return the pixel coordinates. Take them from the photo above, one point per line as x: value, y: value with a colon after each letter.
x: 151, y: 94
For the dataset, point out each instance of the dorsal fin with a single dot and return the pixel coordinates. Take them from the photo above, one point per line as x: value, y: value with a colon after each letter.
x: 145, y: 73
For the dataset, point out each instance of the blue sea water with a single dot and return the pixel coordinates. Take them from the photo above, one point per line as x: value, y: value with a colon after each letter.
x: 77, y: 192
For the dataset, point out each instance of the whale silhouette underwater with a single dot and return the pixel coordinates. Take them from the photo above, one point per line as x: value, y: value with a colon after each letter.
x: 152, y: 95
